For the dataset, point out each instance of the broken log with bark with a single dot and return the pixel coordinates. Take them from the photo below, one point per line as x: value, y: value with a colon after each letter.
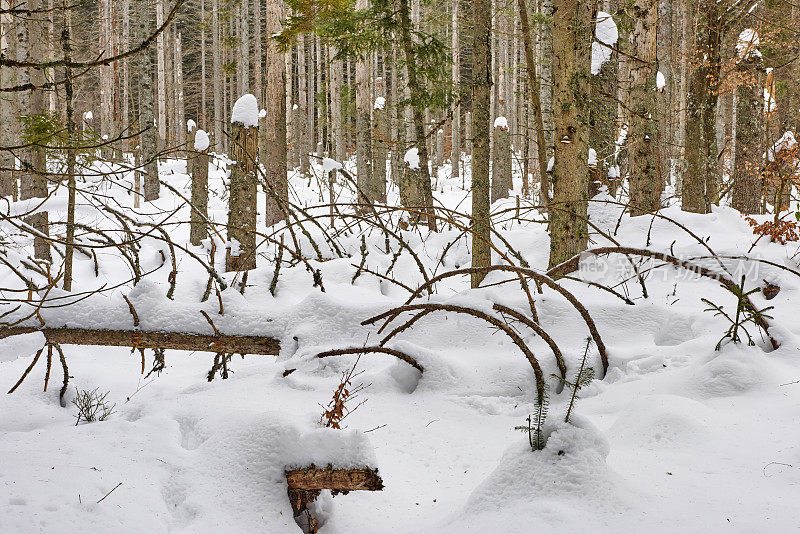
x: 306, y: 484
x: 139, y: 339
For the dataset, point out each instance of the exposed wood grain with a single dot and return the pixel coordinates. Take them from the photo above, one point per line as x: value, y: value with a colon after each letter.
x: 313, y: 478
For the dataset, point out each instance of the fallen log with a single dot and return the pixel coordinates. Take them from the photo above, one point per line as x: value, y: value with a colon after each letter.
x: 305, y: 484
x: 140, y: 339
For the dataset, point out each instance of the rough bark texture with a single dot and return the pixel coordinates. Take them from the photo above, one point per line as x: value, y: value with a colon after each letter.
x: 313, y: 478
x: 272, y: 134
x: 243, y: 197
x: 9, y: 123
x: 501, y: 163
x: 147, y: 140
x: 646, y: 184
x: 151, y: 340
x: 546, y: 86
x: 481, y: 102
x: 747, y: 187
x: 199, y: 210
x: 699, y: 182
x: 455, y: 144
x: 572, y: 31
x: 366, y: 187
x: 33, y: 178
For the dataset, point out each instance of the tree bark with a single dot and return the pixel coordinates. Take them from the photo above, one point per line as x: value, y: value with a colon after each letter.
x: 199, y: 208
x: 380, y: 139
x: 272, y: 134
x: 746, y: 191
x: 481, y: 103
x: 646, y: 184
x: 572, y: 33
x: 243, y: 196
x: 147, y: 140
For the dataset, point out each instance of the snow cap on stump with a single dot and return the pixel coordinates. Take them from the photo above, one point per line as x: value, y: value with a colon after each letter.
x: 201, y: 141
x: 245, y: 111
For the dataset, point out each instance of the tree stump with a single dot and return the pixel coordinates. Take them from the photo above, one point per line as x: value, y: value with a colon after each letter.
x: 243, y: 198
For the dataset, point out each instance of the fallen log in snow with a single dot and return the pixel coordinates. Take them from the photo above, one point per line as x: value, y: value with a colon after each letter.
x: 139, y: 339
x: 306, y: 484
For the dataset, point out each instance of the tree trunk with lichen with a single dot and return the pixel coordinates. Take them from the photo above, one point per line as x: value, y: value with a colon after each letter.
x: 572, y: 33
x: 242, y: 202
x: 747, y: 188
x: 646, y: 184
x: 481, y: 103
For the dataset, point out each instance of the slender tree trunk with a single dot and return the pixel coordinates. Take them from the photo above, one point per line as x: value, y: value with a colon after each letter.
x: 481, y: 103
x: 147, y: 140
x: 572, y: 33
x: 272, y: 135
x: 501, y: 160
x: 218, y: 85
x: 9, y: 123
x: 455, y: 152
x: 536, y: 104
x: 380, y: 128
x: 244, y: 48
x: 33, y: 180
x: 337, y: 138
x: 546, y: 86
x: 162, y: 78
x: 258, y: 50
x: 367, y: 190
x: 646, y: 184
x: 180, y: 111
x: 71, y: 140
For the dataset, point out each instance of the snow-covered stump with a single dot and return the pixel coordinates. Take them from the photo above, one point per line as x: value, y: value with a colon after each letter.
x: 241, y: 253
x: 199, y: 172
x: 306, y: 484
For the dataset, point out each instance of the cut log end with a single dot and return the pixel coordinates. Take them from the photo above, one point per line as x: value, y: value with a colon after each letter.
x: 306, y: 484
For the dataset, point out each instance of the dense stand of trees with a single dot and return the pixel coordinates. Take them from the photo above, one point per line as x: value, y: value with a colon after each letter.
x: 677, y: 111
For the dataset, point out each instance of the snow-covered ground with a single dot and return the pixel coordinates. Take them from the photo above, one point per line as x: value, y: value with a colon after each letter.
x: 676, y: 438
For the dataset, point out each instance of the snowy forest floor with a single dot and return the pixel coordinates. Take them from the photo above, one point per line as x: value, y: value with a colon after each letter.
x: 677, y: 437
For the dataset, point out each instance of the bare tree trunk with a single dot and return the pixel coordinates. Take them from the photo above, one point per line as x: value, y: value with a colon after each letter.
x: 147, y: 140
x: 180, y: 111
x: 380, y: 149
x: 747, y: 188
x: 300, y: 126
x: 546, y: 86
x: 363, y: 125
x: 699, y: 183
x: 162, y: 78
x: 420, y: 176
x: 272, y: 135
x: 199, y: 208
x: 244, y: 49
x: 535, y: 92
x: 501, y: 160
x: 337, y: 139
x: 646, y: 184
x: 258, y: 51
x: 241, y: 254
x: 106, y: 74
x: 9, y: 122
x: 572, y: 32
x: 71, y: 156
x: 455, y: 152
x: 481, y: 103
x: 33, y: 180
x: 218, y: 83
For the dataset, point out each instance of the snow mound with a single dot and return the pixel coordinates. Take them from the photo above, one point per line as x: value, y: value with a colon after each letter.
x: 25, y: 345
x: 569, y: 474
x: 380, y: 103
x: 191, y: 125
x: 201, y: 141
x: 606, y: 33
x: 661, y: 82
x: 245, y: 111
x: 501, y: 122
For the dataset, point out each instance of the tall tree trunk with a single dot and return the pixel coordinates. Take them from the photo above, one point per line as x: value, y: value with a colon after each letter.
x: 536, y: 104
x: 572, y: 33
x: 180, y: 111
x: 746, y: 191
x: 455, y: 152
x: 33, y: 180
x: 646, y: 184
x: 481, y: 103
x: 380, y: 128
x: 272, y: 135
x: 162, y: 78
x: 9, y: 121
x: 337, y: 137
x: 546, y: 86
x: 66, y: 46
x: 699, y: 183
x: 364, y: 176
x: 501, y: 159
x: 421, y: 176
x: 218, y: 82
x: 244, y: 49
x: 147, y: 140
